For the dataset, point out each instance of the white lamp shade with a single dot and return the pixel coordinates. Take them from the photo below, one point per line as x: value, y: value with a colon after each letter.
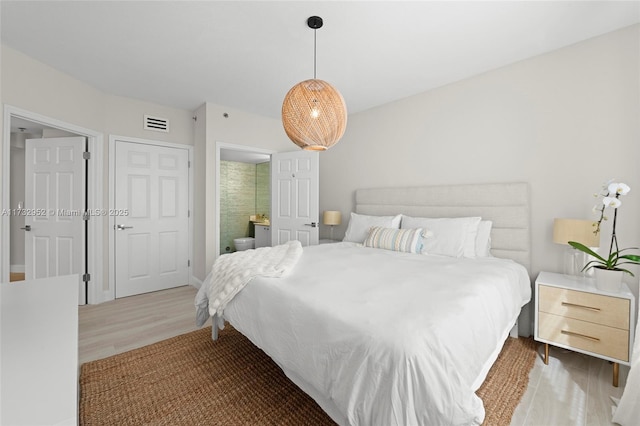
x: 581, y: 231
x: 332, y: 217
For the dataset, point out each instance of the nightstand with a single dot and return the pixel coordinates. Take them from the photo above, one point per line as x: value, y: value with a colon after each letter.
x: 571, y: 313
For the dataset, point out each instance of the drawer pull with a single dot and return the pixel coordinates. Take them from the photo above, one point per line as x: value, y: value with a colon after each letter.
x: 571, y: 333
x: 574, y: 305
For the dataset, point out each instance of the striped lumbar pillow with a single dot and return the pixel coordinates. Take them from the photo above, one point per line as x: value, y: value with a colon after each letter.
x: 405, y: 240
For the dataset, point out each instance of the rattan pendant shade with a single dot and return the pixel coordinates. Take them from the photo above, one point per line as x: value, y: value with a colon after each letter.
x: 314, y: 115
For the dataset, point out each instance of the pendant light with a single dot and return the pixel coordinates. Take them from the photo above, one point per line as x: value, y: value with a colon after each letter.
x: 314, y: 114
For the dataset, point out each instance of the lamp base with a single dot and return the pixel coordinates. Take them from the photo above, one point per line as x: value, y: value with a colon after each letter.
x: 573, y: 262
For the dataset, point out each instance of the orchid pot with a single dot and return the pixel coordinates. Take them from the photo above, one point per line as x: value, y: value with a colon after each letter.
x: 608, y: 279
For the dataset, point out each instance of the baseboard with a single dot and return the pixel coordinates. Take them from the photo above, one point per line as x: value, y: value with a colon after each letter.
x: 195, y: 282
x: 17, y: 269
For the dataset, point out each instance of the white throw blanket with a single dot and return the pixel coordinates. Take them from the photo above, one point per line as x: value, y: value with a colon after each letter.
x: 231, y: 272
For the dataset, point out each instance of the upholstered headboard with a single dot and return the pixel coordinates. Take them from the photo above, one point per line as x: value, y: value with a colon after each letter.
x: 505, y: 204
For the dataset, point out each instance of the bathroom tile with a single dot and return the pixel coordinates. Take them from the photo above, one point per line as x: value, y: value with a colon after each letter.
x: 244, y: 191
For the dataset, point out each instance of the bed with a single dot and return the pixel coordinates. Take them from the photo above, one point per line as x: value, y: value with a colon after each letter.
x: 383, y: 337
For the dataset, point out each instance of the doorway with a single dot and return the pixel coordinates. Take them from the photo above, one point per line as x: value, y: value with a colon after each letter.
x: 242, y: 191
x: 21, y: 130
x: 11, y: 235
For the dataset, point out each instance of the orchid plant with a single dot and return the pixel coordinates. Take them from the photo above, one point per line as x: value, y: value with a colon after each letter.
x: 616, y: 260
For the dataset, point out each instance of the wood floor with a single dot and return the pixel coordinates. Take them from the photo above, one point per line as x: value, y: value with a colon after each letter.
x: 16, y: 276
x: 574, y: 389
x: 132, y: 322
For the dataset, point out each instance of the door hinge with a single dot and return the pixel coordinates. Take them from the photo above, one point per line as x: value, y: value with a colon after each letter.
x: 86, y: 278
x: 188, y: 263
x: 189, y: 164
x: 188, y: 213
x: 86, y: 155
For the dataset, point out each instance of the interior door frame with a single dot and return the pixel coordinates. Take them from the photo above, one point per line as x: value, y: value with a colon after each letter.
x: 112, y: 202
x: 95, y: 185
x: 233, y: 147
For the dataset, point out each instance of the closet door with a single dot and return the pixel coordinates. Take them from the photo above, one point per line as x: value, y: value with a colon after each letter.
x: 152, y: 218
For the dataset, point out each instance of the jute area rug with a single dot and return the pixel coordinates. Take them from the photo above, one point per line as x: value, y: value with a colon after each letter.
x: 191, y: 380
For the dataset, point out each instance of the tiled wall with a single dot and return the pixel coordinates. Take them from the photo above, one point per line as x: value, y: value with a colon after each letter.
x: 244, y: 191
x: 263, y: 191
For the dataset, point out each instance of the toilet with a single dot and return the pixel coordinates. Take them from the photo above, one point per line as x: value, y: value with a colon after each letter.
x: 244, y: 243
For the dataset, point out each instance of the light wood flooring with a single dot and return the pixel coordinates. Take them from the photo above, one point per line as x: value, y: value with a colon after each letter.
x: 16, y: 276
x: 574, y: 389
x: 132, y: 322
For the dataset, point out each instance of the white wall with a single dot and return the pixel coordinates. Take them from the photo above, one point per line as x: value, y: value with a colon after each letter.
x: 33, y: 86
x: 565, y: 122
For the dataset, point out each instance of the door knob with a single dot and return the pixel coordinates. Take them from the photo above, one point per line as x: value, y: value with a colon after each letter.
x: 27, y: 228
x: 122, y: 227
x: 312, y: 224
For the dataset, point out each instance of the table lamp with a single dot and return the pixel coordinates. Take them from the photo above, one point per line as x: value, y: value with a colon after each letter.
x: 581, y: 231
x: 332, y: 218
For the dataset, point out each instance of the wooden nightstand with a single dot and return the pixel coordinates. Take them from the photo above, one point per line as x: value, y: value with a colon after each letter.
x: 571, y: 313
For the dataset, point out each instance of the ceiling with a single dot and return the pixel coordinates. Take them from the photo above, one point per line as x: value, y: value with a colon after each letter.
x: 248, y: 54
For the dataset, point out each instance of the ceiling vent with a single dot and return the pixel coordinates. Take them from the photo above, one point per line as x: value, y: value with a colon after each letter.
x: 156, y: 123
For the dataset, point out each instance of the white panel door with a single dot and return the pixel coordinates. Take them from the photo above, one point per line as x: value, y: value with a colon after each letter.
x: 295, y: 192
x: 152, y: 223
x: 53, y: 209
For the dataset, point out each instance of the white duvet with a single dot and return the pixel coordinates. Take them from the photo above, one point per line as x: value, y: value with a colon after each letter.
x: 385, y: 338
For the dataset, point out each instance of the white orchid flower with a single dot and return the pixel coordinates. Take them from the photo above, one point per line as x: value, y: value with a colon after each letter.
x: 605, y: 186
x: 611, y: 202
x: 618, y: 188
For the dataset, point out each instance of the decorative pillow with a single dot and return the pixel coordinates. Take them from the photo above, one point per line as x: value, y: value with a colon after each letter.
x: 405, y: 240
x: 483, y: 240
x: 455, y: 237
x: 359, y: 225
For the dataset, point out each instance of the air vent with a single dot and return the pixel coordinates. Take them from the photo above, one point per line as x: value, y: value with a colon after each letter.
x: 156, y: 123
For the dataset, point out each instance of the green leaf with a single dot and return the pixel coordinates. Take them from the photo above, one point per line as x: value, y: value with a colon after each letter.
x: 583, y: 248
x: 634, y: 258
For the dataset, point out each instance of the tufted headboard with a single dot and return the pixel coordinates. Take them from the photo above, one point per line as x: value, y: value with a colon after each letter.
x: 505, y: 204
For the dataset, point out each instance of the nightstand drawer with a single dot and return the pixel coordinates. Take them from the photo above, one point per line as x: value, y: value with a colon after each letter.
x: 595, y: 308
x: 600, y: 339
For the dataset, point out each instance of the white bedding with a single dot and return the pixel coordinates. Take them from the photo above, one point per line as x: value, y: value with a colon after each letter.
x: 383, y: 338
x: 230, y: 273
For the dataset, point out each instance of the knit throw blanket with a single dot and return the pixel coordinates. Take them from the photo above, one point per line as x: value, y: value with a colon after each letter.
x: 231, y: 272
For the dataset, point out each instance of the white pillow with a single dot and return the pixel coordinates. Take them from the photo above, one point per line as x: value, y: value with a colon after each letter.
x: 359, y: 225
x: 455, y: 237
x: 483, y: 240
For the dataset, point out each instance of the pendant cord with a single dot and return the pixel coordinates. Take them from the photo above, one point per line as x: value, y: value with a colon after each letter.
x: 314, y: 52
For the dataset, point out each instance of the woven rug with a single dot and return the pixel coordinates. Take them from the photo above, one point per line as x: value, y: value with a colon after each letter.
x: 190, y: 380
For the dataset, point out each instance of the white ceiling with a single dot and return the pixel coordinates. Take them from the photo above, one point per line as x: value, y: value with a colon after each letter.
x: 247, y: 55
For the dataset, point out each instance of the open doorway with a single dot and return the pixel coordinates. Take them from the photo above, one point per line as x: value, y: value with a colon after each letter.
x: 21, y: 130
x: 243, y: 198
x: 20, y: 126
